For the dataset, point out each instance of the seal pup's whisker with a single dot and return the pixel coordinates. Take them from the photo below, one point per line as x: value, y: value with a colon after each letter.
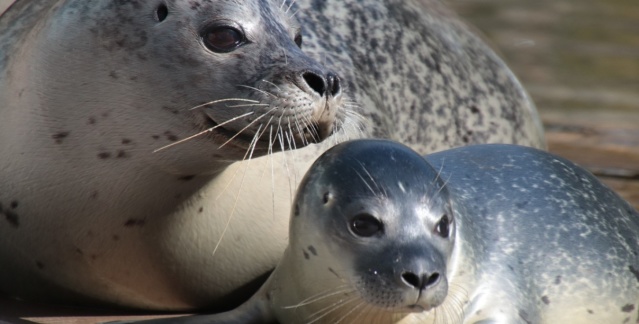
x: 208, y: 130
x: 237, y: 196
x: 353, y: 309
x: 365, y: 182
x: 380, y: 189
x: 343, y: 289
x: 270, y: 155
x: 222, y: 100
x: 323, y: 312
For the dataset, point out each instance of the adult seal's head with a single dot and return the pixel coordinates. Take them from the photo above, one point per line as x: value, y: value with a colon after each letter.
x: 152, y: 73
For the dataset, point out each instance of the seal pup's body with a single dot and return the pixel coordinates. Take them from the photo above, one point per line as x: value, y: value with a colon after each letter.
x: 479, y: 234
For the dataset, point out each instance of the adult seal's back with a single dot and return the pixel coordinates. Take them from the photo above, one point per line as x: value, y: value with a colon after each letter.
x: 479, y: 234
x: 141, y: 137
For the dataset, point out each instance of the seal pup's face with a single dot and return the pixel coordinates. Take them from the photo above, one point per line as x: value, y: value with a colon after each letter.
x: 373, y: 223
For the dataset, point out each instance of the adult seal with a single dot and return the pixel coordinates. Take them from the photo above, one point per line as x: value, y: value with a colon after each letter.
x: 141, y: 137
x: 480, y: 234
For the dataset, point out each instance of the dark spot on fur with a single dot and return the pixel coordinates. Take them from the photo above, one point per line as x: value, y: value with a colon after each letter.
x: 105, y: 115
x: 200, y: 210
x: 312, y: 249
x: 11, y: 216
x: 14, y: 204
x: 40, y: 265
x: 634, y: 272
x: 186, y: 178
x: 122, y: 154
x: 296, y: 212
x: 78, y: 251
x: 113, y: 74
x: 94, y: 195
x: 126, y: 141
x: 170, y: 136
x: 174, y: 111
x: 545, y: 300
x: 91, y: 121
x: 134, y: 222
x: 590, y: 311
x: 306, y: 256
x: 155, y: 137
x: 93, y: 257
x: 557, y: 280
x: 116, y: 237
x: 333, y: 272
x: 474, y: 109
x: 58, y: 137
x: 524, y: 316
x: 628, y: 308
x: 104, y: 155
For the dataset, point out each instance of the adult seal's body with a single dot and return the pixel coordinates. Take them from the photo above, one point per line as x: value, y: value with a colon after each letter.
x: 481, y: 234
x: 90, y: 90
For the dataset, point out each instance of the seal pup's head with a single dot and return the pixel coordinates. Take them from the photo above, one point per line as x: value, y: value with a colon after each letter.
x: 372, y: 230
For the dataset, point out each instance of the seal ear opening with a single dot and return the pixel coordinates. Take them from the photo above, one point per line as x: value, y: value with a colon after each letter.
x: 161, y: 12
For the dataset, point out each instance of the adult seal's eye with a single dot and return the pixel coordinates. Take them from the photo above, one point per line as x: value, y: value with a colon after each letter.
x: 443, y: 226
x: 223, y: 39
x: 365, y: 225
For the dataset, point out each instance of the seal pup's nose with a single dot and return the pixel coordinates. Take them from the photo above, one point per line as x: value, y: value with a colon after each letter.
x: 422, y: 281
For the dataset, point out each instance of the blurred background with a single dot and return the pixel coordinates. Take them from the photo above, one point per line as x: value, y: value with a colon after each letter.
x: 579, y: 60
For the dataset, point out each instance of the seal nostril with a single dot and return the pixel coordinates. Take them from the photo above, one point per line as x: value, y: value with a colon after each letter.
x: 334, y: 86
x: 420, y: 282
x: 429, y: 281
x: 412, y: 279
x: 315, y: 81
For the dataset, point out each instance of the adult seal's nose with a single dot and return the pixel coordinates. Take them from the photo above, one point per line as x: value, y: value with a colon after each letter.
x: 328, y: 85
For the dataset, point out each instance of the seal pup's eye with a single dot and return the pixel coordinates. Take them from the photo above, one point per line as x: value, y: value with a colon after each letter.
x: 223, y: 39
x: 298, y: 39
x: 365, y: 225
x: 443, y: 226
x: 161, y: 12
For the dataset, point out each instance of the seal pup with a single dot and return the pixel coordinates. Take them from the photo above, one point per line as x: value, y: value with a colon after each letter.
x: 89, y: 90
x: 480, y: 234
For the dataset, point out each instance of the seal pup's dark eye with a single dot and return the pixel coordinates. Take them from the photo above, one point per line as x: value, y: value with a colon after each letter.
x: 298, y: 40
x: 365, y: 225
x: 443, y: 226
x: 161, y: 12
x: 223, y: 39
